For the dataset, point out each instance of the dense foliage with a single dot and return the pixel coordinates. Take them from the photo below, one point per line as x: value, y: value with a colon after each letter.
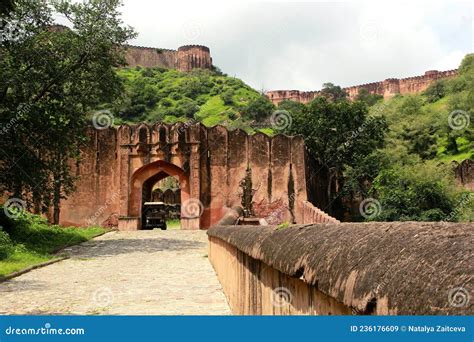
x: 207, y: 96
x: 50, y: 80
x: 397, y: 152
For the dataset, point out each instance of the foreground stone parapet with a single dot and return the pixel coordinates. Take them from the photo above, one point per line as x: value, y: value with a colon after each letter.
x: 399, y: 268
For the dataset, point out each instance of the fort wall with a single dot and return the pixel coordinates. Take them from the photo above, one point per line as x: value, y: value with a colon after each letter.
x: 215, y: 166
x: 387, y: 88
x: 185, y: 59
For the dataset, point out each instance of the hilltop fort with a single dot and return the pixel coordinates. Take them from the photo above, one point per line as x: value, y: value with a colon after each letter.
x: 387, y: 88
x: 186, y: 58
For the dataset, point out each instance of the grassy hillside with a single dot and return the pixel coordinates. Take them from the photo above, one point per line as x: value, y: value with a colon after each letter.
x: 210, y: 97
x: 436, y: 124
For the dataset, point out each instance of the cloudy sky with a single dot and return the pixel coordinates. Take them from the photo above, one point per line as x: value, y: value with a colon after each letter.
x: 300, y: 45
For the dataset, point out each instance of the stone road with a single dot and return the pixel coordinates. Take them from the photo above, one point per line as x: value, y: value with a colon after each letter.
x: 144, y: 272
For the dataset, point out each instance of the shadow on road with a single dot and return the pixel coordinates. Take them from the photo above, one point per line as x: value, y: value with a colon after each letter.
x: 111, y: 247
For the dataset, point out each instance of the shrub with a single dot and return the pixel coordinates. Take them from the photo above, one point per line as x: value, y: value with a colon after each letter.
x: 435, y: 91
x: 227, y: 97
x: 415, y: 193
x: 6, y: 245
x: 258, y: 109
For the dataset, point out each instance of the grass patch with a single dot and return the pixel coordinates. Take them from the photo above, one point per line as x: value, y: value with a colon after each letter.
x: 173, y: 224
x: 31, y: 241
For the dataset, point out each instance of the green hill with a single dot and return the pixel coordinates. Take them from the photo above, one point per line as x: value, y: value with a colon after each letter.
x: 436, y: 124
x: 210, y: 97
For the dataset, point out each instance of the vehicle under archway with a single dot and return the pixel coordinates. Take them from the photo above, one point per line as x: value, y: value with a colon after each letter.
x: 161, y: 203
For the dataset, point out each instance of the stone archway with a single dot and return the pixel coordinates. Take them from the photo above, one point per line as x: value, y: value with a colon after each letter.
x: 154, y: 172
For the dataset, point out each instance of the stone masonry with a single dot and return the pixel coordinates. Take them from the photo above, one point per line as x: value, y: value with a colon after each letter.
x: 217, y: 169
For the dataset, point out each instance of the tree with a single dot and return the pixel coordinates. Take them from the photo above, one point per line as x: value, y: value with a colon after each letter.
x: 258, y: 109
x: 338, y: 135
x: 333, y: 92
x: 435, y: 91
x: 368, y: 98
x: 51, y: 80
x: 415, y: 193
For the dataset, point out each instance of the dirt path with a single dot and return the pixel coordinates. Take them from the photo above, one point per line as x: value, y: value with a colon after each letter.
x: 144, y: 272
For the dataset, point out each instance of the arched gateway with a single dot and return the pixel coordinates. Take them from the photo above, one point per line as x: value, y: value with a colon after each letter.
x: 216, y: 169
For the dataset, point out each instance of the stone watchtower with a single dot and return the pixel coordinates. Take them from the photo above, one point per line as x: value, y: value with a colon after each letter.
x: 185, y: 59
x: 193, y: 57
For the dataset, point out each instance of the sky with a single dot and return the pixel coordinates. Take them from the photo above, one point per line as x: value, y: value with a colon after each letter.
x: 301, y: 45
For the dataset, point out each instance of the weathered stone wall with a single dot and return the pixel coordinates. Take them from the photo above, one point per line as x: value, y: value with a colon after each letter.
x: 464, y: 173
x: 395, y: 268
x: 150, y: 57
x: 387, y: 88
x: 193, y: 57
x: 311, y: 214
x: 249, y: 286
x: 213, y: 165
x: 185, y: 59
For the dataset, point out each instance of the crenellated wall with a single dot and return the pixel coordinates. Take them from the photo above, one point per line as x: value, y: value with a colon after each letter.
x: 387, y: 88
x: 186, y: 58
x: 215, y: 166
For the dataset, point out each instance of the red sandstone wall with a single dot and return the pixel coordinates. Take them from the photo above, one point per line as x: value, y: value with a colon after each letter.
x: 311, y: 214
x: 215, y: 160
x: 150, y: 57
x: 186, y: 58
x: 388, y: 88
x: 193, y: 57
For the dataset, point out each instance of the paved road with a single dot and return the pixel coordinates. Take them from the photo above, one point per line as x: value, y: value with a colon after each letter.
x: 144, y: 272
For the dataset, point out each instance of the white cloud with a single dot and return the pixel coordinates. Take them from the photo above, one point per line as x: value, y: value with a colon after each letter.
x: 301, y: 45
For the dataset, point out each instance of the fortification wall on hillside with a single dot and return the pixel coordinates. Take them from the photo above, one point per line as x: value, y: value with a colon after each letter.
x: 186, y: 58
x: 387, y: 88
